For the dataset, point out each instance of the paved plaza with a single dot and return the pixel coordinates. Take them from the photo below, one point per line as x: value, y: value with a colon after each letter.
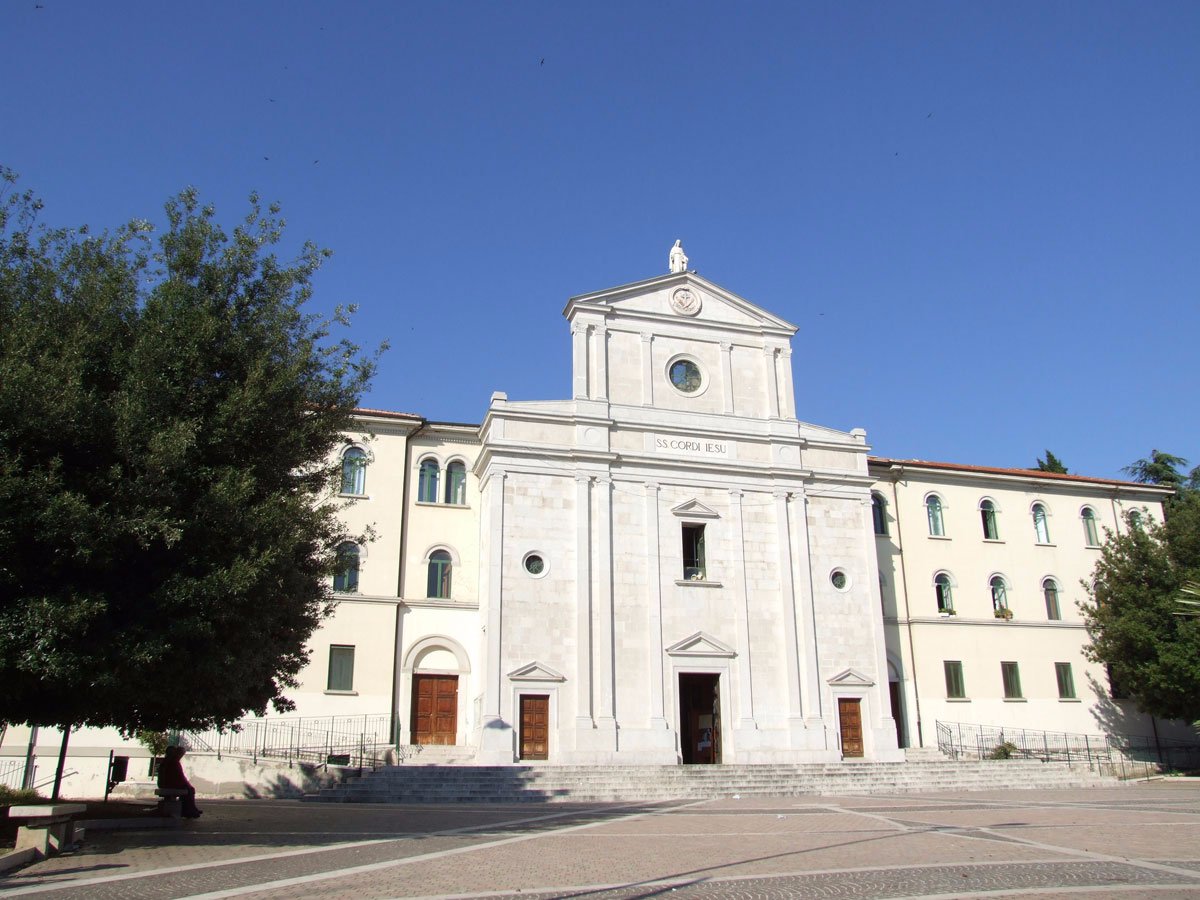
x: 1133, y: 841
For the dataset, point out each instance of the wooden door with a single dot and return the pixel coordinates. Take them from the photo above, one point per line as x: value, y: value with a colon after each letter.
x: 435, y: 709
x: 535, y: 726
x: 850, y: 720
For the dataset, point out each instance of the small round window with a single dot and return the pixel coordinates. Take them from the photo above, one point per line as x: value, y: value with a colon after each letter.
x: 839, y: 579
x: 535, y: 564
x: 685, y: 375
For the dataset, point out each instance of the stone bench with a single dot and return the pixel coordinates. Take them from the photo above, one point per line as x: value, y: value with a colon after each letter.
x: 48, y: 828
x: 171, y: 804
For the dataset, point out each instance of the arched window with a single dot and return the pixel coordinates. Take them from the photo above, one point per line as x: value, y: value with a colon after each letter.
x: 1135, y: 518
x: 1050, y: 592
x: 354, y: 471
x: 345, y: 579
x: 1090, y: 536
x: 427, y: 490
x: 878, y: 514
x: 439, y: 575
x: 987, y: 512
x: 1000, y: 597
x: 1041, y: 528
x: 933, y: 510
x: 456, y: 483
x: 944, y: 593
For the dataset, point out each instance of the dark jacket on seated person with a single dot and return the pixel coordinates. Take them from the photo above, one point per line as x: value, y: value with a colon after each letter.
x: 170, y: 775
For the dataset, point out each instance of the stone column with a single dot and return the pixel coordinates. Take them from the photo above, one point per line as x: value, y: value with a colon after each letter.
x: 785, y: 377
x: 727, y: 376
x: 496, y: 742
x: 772, y: 382
x: 787, y: 586
x: 583, y: 603
x: 600, y: 333
x: 741, y: 604
x: 810, y: 684
x: 647, y: 369
x: 603, y: 644
x: 658, y: 713
x: 579, y: 360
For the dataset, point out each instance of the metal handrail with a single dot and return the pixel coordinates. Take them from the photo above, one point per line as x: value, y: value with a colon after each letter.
x: 1124, y: 752
x: 298, y: 739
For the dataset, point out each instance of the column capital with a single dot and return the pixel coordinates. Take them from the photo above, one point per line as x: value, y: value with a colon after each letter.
x: 578, y: 328
x: 736, y: 493
x: 647, y: 337
x: 726, y: 346
x: 785, y: 352
x: 581, y: 478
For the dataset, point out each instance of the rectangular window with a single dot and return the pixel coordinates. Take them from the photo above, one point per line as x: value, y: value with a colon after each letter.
x: 341, y: 667
x: 1012, y: 680
x: 693, y: 553
x: 1066, y: 683
x: 955, y: 689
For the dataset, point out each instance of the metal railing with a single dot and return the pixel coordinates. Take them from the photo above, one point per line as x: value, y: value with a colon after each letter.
x: 12, y: 773
x: 1123, y: 754
x: 326, y: 740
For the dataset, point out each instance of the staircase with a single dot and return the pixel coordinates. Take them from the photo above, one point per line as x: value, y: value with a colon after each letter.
x: 594, y: 784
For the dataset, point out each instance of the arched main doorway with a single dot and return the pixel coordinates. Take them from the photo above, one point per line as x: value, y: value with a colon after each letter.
x: 435, y: 666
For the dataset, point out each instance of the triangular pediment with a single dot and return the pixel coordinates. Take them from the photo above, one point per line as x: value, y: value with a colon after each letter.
x: 694, y: 509
x: 701, y: 644
x: 702, y: 301
x: 851, y: 678
x: 536, y: 671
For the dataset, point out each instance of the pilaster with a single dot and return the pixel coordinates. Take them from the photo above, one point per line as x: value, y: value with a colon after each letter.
x: 772, y: 382
x: 583, y: 603
x: 579, y: 360
x: 658, y: 713
x: 787, y: 587
x: 788, y: 403
x: 647, y: 369
x: 600, y: 338
x: 727, y: 376
x: 496, y: 740
x: 741, y: 604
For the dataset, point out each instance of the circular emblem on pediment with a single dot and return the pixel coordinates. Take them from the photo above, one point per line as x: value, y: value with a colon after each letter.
x: 685, y: 301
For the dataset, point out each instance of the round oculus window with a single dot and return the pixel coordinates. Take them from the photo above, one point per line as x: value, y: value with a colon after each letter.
x: 685, y: 375
x: 534, y: 564
x: 839, y: 579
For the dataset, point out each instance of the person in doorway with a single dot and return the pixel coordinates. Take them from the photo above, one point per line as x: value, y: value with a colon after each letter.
x: 170, y: 775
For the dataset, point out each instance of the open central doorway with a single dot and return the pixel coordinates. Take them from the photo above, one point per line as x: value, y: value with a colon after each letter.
x: 700, y: 717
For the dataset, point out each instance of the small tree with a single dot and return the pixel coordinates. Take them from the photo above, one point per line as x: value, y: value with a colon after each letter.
x: 168, y: 417
x: 1051, y: 464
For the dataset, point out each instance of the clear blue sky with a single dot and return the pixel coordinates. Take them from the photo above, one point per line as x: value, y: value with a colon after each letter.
x: 982, y: 217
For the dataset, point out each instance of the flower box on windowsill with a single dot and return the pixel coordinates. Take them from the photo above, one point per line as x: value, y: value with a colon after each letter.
x: 1004, y: 613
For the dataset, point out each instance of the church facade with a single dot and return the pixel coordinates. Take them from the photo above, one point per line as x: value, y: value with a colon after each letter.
x: 669, y: 567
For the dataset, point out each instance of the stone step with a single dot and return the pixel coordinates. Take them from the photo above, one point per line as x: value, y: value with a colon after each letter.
x: 447, y: 784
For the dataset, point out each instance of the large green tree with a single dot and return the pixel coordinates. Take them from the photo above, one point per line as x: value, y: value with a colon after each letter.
x: 168, y: 413
x: 1133, y: 614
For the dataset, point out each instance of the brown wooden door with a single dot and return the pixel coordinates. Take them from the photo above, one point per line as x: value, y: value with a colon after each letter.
x: 535, y: 726
x: 435, y: 709
x: 850, y: 719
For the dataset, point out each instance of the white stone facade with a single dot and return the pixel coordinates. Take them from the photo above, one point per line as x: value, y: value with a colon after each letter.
x: 669, y: 566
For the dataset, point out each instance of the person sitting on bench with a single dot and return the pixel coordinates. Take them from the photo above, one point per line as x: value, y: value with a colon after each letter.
x: 170, y: 775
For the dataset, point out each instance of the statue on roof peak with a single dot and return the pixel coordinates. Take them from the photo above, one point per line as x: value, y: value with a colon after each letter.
x: 678, y: 261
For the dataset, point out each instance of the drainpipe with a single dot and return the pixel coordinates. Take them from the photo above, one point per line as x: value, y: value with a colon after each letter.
x: 912, y: 655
